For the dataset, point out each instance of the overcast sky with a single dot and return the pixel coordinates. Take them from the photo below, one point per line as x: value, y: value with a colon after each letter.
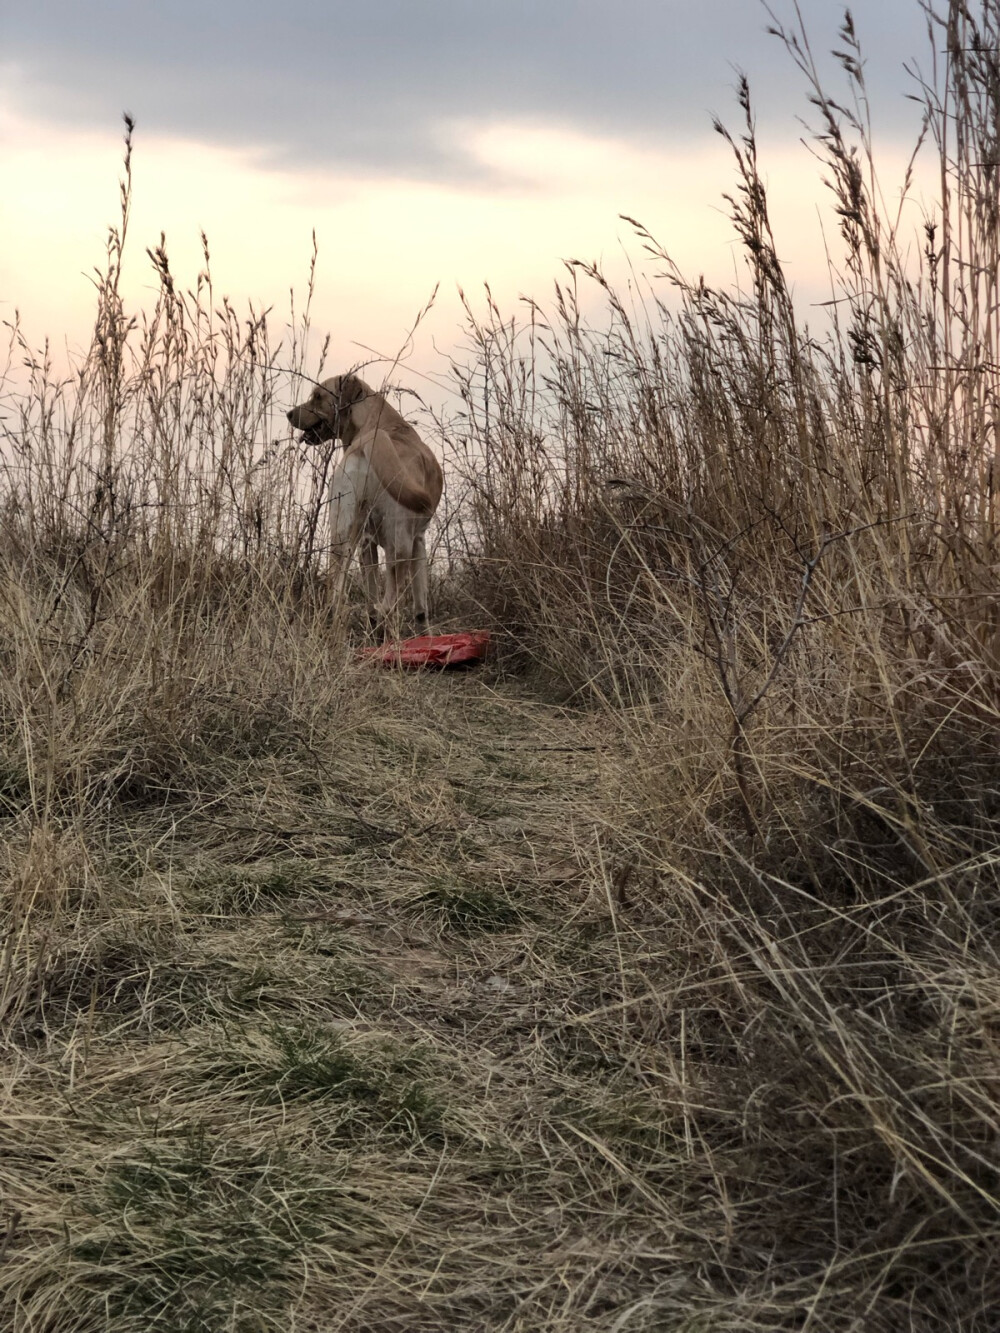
x: 425, y: 140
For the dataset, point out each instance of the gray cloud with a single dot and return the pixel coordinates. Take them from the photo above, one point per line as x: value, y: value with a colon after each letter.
x: 368, y: 85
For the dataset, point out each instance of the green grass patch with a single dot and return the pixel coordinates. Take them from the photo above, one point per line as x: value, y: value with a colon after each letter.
x: 469, y: 909
x: 244, y: 890
x: 376, y: 1084
x: 198, y: 1233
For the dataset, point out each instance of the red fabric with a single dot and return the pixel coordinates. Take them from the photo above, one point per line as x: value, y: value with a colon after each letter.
x: 430, y: 650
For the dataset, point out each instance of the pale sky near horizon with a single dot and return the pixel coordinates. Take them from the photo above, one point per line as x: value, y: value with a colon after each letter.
x: 425, y: 141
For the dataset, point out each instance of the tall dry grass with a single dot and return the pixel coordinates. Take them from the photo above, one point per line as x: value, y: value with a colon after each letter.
x: 771, y: 552
x: 163, y: 599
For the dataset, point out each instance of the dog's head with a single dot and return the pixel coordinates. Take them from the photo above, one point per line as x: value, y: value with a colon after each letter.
x: 325, y: 415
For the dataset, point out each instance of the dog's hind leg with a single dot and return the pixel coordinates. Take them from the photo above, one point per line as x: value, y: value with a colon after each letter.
x: 398, y: 581
x: 420, y: 591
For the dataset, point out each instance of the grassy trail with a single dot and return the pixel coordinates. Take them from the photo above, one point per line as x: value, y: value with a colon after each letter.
x: 345, y: 1048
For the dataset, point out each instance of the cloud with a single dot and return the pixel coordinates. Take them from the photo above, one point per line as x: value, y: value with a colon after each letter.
x: 425, y: 141
x: 310, y: 83
x: 384, y: 241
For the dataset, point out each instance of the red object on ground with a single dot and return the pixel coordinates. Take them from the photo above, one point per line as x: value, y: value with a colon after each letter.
x: 430, y: 650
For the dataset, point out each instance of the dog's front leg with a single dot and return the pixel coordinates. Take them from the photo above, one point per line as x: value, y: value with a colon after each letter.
x: 346, y: 522
x: 369, y: 575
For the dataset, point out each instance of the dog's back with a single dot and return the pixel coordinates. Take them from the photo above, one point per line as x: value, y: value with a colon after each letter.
x: 404, y: 464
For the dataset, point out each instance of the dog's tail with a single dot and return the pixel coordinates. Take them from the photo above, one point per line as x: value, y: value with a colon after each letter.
x: 413, y: 494
x: 414, y: 498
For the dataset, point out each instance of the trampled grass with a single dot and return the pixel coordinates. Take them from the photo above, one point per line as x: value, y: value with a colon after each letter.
x: 648, y: 979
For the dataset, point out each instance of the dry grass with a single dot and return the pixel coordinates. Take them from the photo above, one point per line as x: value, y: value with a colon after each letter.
x: 649, y: 981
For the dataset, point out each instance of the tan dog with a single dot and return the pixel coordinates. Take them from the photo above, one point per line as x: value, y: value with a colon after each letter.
x: 383, y: 491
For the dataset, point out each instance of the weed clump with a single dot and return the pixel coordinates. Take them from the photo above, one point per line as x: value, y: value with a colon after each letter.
x: 469, y: 909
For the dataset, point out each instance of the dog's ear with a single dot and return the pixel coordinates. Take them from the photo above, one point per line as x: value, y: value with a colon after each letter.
x: 351, y: 390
